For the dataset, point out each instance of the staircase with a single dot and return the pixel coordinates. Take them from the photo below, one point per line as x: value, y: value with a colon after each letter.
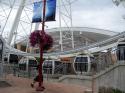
x: 112, y: 76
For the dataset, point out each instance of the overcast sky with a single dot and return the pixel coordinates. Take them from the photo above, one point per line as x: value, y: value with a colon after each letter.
x: 101, y: 14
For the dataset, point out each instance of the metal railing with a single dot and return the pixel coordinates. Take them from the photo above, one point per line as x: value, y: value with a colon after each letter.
x: 101, y: 43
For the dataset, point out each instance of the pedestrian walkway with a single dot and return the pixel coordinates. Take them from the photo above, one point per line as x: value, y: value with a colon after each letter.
x: 22, y: 85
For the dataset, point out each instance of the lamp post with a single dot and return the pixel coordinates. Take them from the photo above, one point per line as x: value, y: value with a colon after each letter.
x: 41, y: 87
x: 45, y: 42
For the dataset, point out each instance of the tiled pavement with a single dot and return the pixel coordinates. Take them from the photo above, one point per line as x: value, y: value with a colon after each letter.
x: 22, y: 85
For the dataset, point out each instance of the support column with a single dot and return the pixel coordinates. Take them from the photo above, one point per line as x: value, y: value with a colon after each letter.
x: 60, y: 41
x: 16, y: 21
x: 71, y: 25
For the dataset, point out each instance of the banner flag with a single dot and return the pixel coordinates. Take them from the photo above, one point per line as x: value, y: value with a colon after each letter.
x: 38, y: 11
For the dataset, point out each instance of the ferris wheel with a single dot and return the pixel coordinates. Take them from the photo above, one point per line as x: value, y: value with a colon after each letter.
x: 16, y: 21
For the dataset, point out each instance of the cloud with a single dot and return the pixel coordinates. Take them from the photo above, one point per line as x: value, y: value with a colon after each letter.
x: 101, y: 14
x: 108, y: 18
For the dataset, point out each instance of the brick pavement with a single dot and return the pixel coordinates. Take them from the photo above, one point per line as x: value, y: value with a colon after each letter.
x: 22, y: 85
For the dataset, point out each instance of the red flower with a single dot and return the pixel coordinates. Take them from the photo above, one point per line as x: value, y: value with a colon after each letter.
x: 40, y: 37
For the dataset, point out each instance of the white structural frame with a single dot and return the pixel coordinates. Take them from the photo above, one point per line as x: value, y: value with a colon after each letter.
x: 113, y: 40
x: 9, y: 49
x: 88, y: 63
x: 10, y: 5
x: 65, y: 13
x: 63, y: 16
x: 16, y: 21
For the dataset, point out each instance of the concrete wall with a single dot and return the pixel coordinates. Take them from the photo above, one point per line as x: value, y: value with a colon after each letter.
x: 114, y: 76
x: 76, y: 79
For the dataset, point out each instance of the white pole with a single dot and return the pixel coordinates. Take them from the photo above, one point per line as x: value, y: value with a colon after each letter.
x: 71, y: 25
x: 16, y: 21
x: 27, y: 45
x: 2, y: 30
x: 60, y: 42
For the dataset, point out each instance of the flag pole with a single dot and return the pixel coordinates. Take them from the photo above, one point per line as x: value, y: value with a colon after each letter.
x: 41, y: 87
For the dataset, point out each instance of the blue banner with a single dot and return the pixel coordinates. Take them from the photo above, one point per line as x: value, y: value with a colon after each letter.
x: 38, y: 11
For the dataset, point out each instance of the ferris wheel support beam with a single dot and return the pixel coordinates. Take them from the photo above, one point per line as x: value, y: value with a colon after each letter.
x: 72, y: 34
x: 16, y: 21
x: 65, y: 19
x: 60, y: 42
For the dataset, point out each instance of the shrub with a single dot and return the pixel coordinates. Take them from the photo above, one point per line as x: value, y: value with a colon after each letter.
x: 109, y: 90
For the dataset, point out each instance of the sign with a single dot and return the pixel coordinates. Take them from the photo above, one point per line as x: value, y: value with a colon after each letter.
x: 38, y: 11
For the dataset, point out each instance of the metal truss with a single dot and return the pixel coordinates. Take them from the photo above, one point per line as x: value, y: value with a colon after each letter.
x: 104, y: 45
x: 65, y: 20
x: 22, y: 28
x: 22, y: 25
x: 6, y: 7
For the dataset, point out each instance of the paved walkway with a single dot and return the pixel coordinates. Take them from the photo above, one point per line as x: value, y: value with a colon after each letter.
x: 22, y: 85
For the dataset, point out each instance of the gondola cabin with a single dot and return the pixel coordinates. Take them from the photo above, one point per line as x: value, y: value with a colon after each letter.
x: 121, y: 51
x: 27, y: 62
x: 82, y: 63
x: 51, y: 66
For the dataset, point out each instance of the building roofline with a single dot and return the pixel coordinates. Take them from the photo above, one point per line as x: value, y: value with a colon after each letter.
x: 86, y: 29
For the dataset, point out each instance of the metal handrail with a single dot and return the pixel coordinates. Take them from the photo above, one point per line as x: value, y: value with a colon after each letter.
x: 104, y: 43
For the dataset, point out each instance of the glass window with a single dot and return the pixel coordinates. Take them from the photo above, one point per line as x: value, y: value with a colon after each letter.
x: 57, y: 63
x: 47, y: 64
x: 32, y: 63
x: 22, y: 66
x: 81, y: 67
x: 47, y: 67
x: 78, y: 59
x: 82, y: 59
x: 121, y: 53
x: 91, y: 59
